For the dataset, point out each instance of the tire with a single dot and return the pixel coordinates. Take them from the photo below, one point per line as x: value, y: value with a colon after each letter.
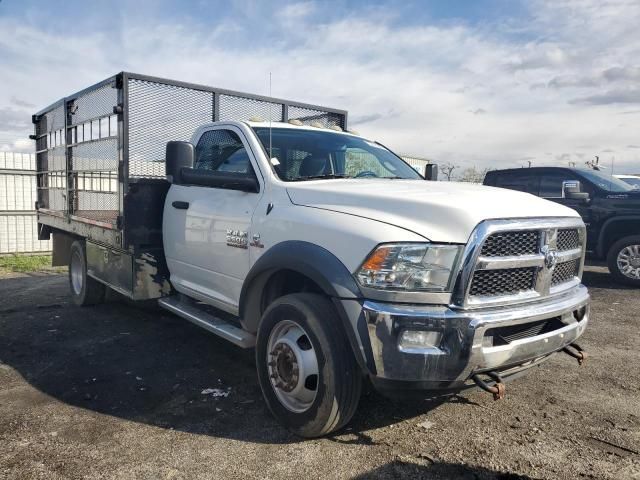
x: 84, y: 289
x: 623, y: 260
x: 302, y: 327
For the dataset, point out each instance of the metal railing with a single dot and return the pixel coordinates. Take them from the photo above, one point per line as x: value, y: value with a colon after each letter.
x: 99, y: 150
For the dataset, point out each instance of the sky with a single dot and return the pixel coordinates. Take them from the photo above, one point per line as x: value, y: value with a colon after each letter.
x: 482, y: 83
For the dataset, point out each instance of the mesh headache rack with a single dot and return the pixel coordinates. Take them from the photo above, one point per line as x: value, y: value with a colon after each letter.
x: 100, y: 152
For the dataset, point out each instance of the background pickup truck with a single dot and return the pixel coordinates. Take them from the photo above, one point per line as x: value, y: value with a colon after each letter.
x: 320, y: 248
x: 609, y: 207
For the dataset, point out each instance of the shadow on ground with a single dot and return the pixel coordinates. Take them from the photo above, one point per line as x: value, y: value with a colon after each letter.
x: 599, y: 277
x: 139, y: 363
x: 437, y: 470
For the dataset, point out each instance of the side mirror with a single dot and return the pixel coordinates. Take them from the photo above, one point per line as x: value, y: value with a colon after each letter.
x: 431, y: 172
x: 179, y: 155
x: 228, y: 180
x: 571, y: 190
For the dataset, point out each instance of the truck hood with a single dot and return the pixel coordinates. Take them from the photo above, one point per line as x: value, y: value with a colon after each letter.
x: 438, y: 211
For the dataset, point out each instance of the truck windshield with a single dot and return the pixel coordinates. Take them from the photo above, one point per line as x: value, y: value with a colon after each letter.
x: 298, y: 154
x: 606, y: 181
x: 633, y: 181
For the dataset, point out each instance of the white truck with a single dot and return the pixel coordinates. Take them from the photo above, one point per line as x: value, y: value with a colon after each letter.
x: 319, y: 248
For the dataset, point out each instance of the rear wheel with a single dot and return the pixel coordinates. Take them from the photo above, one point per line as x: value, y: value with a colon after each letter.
x: 84, y: 289
x: 624, y: 260
x: 308, y: 374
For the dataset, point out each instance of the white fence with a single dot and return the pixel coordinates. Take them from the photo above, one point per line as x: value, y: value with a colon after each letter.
x: 18, y: 222
x: 418, y: 163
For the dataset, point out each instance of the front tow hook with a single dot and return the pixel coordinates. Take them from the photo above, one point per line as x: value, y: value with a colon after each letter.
x: 497, y: 389
x: 577, y: 352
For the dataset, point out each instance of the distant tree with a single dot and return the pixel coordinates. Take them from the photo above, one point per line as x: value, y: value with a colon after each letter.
x: 473, y: 175
x: 447, y: 170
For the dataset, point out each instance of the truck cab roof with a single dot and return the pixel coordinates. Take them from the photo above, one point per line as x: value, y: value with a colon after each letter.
x: 293, y: 124
x: 532, y: 176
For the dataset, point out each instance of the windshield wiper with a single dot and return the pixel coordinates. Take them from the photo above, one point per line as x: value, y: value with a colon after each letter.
x: 325, y: 175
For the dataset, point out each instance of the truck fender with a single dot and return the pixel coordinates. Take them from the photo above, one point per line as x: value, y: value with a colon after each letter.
x: 600, y: 250
x: 324, y: 269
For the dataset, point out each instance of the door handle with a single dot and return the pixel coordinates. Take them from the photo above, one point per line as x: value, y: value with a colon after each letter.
x: 180, y: 205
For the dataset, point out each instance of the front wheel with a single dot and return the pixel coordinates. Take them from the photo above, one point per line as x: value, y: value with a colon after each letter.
x: 306, y: 368
x: 624, y: 260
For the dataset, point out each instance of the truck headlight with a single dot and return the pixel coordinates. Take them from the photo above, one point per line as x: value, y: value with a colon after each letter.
x: 411, y: 267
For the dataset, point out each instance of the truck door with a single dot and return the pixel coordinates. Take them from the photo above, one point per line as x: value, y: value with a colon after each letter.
x: 207, y: 229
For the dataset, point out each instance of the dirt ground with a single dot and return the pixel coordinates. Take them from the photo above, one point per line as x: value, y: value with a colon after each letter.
x: 115, y: 391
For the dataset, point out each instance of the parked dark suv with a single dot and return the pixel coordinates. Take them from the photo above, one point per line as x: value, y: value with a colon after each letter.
x: 609, y: 207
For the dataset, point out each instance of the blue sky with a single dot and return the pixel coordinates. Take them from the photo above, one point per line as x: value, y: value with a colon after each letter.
x: 489, y: 83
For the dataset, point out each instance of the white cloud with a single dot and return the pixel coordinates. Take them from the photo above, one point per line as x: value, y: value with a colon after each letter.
x: 297, y: 11
x: 551, y: 83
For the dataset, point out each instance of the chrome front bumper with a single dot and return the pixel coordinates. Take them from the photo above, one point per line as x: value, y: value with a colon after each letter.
x: 463, y: 350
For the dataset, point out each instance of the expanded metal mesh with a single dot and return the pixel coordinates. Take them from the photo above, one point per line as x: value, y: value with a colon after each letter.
x: 94, y: 155
x: 94, y: 104
x: 100, y: 155
x: 51, y: 120
x: 310, y: 116
x: 78, y: 160
x: 57, y: 160
x: 51, y: 181
x: 50, y: 160
x: 78, y: 165
x: 52, y: 191
x: 159, y: 113
x: 244, y: 109
x: 95, y: 180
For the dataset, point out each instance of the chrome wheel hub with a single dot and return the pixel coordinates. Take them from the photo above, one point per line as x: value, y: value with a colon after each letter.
x: 75, y: 270
x: 292, y: 366
x: 629, y: 261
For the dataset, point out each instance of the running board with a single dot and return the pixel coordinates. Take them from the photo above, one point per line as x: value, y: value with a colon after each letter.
x: 209, y: 322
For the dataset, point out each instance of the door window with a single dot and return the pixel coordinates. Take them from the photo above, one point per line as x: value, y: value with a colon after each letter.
x: 222, y: 151
x: 523, y: 182
x: 551, y: 184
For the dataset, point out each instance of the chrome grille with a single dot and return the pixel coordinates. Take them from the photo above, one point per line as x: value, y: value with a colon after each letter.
x: 502, y: 282
x: 505, y: 244
x: 508, y: 261
x: 565, y: 272
x: 568, y: 239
